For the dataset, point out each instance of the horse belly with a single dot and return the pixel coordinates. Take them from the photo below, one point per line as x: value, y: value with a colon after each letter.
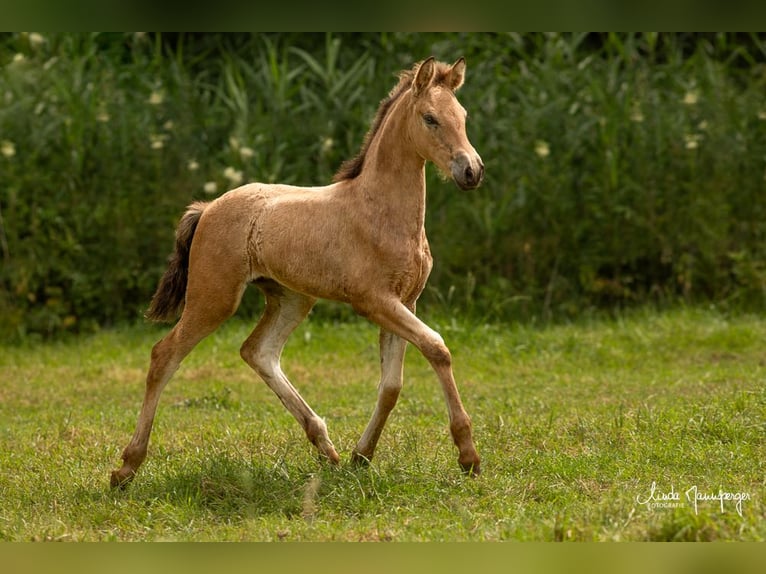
x: 302, y: 252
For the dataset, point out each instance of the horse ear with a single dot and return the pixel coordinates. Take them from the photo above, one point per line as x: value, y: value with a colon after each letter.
x: 423, y: 76
x: 457, y: 74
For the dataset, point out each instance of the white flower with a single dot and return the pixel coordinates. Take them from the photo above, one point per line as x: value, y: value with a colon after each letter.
x: 102, y: 115
x: 246, y: 152
x: 210, y: 187
x: 7, y: 148
x: 692, y: 141
x: 636, y: 115
x: 157, y: 141
x: 18, y: 58
x: 168, y: 125
x: 36, y: 39
x: 233, y: 175
x: 192, y: 166
x: 690, y: 98
x: 542, y: 148
x: 327, y: 145
x: 156, y: 98
x: 762, y: 115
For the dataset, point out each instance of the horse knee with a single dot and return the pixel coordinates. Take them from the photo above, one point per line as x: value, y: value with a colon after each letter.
x: 436, y: 352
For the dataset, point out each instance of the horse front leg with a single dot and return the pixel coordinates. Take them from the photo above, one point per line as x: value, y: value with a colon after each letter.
x: 392, y: 349
x: 397, y: 318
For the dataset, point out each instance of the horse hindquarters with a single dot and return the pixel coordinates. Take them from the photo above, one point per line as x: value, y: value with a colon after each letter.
x: 217, y: 276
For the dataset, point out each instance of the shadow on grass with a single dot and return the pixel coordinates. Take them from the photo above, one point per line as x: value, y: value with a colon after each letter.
x: 231, y: 488
x: 235, y: 489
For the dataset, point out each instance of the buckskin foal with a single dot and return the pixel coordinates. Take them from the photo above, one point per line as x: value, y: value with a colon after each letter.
x: 360, y: 240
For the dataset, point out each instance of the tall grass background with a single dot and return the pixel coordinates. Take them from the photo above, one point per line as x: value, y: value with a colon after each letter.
x: 621, y: 169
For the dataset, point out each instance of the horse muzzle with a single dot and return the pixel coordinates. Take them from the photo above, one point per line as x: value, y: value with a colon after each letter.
x: 468, y: 173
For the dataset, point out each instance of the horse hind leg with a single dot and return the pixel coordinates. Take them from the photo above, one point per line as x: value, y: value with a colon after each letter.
x: 206, y: 308
x: 166, y: 357
x: 284, y: 311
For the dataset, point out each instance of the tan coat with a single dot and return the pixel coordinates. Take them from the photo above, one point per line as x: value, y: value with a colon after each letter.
x: 360, y: 240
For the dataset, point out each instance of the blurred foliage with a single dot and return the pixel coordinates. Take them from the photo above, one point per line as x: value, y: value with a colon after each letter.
x: 621, y: 169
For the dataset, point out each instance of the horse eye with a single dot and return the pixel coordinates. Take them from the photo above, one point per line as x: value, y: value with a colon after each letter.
x: 430, y: 120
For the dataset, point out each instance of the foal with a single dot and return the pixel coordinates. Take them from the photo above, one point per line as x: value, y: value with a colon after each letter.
x: 360, y: 240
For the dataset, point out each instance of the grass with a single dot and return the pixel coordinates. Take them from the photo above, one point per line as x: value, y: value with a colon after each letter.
x: 573, y: 422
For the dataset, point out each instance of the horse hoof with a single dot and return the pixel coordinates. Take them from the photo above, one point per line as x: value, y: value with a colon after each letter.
x: 120, y: 479
x: 359, y: 460
x: 471, y: 468
x: 330, y: 457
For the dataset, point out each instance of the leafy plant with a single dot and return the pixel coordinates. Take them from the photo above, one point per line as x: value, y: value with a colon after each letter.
x: 621, y: 169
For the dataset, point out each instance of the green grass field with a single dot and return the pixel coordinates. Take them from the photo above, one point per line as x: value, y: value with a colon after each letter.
x: 574, y: 423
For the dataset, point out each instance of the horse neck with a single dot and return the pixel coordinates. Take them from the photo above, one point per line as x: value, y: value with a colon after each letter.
x: 393, y: 178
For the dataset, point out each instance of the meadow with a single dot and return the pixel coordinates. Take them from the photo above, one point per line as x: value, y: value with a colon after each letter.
x: 602, y: 293
x: 575, y: 422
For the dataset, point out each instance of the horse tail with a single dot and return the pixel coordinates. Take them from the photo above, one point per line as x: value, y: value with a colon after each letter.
x: 168, y: 301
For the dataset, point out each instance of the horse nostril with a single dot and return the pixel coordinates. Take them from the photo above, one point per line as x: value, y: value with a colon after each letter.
x: 468, y: 174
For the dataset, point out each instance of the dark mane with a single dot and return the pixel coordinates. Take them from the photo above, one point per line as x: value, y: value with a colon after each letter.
x: 351, y: 168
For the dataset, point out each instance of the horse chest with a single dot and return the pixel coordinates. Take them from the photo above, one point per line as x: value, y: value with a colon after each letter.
x: 409, y: 269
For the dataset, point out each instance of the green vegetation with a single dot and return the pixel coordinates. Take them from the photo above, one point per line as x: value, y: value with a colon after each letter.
x: 622, y: 169
x: 600, y: 292
x: 574, y: 423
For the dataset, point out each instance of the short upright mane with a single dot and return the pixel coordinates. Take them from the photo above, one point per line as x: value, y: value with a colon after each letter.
x: 351, y: 168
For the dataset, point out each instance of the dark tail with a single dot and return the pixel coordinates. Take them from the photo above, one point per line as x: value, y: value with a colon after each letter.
x: 169, y: 299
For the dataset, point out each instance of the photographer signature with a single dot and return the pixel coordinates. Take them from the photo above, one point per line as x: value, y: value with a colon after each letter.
x: 672, y: 499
